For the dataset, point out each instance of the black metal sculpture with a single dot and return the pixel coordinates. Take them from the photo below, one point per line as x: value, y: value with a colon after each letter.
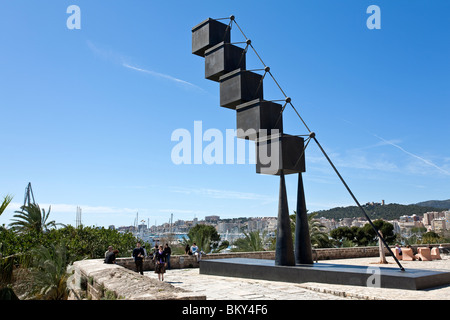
x: 261, y: 121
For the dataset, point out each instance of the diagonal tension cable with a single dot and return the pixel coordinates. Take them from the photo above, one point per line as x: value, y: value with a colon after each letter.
x: 312, y: 134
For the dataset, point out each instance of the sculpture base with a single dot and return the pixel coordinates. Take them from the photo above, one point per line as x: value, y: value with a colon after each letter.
x: 412, y: 279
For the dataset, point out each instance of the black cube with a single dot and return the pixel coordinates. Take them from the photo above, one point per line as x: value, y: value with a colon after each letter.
x: 223, y: 58
x: 258, y: 118
x: 280, y: 152
x: 240, y: 86
x: 207, y: 34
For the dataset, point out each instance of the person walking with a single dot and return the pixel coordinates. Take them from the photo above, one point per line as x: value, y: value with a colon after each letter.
x: 138, y: 255
x: 168, y: 252
x: 160, y: 263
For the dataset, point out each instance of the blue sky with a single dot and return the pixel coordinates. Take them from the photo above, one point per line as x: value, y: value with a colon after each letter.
x: 87, y: 115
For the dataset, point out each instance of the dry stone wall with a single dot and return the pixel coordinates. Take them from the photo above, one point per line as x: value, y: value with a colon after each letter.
x: 187, y: 261
x: 95, y: 280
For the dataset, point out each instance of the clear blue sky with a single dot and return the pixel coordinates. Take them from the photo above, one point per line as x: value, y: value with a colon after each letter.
x: 87, y: 115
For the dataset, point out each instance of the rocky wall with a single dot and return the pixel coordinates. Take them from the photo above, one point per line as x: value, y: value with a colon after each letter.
x: 188, y: 261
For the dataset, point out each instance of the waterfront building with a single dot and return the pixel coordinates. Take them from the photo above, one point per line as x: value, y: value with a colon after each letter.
x: 439, y: 225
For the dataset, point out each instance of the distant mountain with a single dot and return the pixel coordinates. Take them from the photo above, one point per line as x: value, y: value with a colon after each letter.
x: 388, y: 212
x: 440, y: 204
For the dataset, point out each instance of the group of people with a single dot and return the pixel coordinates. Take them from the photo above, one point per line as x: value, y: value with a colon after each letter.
x: 161, y: 257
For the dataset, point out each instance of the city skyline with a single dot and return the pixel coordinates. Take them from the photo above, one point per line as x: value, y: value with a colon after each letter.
x: 436, y: 221
x: 88, y: 114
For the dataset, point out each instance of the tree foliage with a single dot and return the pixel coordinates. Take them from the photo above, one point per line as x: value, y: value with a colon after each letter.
x: 252, y: 241
x: 363, y: 236
x: 438, y: 204
x: 81, y: 243
x: 47, y: 254
x: 205, y: 236
x: 49, y: 272
x: 318, y: 236
x: 388, y: 212
x: 431, y: 237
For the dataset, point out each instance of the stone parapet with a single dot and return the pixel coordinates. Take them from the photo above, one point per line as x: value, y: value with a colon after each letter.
x: 94, y: 280
x: 189, y: 261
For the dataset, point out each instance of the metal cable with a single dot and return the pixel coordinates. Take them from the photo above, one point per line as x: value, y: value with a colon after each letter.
x: 240, y: 29
x: 356, y: 201
x: 303, y: 152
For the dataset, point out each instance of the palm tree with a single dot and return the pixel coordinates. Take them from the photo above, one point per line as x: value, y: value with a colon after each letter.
x: 317, y: 234
x: 30, y: 218
x: 6, y: 263
x: 252, y: 241
x: 319, y: 238
x: 49, y: 272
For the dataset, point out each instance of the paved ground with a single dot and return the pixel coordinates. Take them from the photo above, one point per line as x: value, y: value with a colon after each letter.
x: 227, y: 288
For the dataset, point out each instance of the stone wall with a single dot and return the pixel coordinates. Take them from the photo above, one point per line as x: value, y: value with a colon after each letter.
x: 186, y: 261
x: 94, y: 280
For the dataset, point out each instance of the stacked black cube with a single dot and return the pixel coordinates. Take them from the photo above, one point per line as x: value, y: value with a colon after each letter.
x: 242, y: 90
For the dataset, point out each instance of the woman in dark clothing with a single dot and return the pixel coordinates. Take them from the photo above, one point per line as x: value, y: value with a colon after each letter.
x: 160, y: 263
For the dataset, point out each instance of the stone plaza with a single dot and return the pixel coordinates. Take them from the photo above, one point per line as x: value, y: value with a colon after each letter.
x: 93, y: 279
x: 227, y: 288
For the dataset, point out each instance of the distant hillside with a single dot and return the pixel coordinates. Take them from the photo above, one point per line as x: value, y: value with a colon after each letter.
x: 440, y: 204
x: 388, y: 212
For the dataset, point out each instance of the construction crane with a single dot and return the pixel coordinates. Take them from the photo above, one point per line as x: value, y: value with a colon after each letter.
x: 136, y: 222
x: 28, y: 196
x: 78, y: 220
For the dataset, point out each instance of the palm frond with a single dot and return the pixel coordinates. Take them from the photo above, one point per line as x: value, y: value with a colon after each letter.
x: 31, y: 218
x: 6, y: 201
x: 49, y: 271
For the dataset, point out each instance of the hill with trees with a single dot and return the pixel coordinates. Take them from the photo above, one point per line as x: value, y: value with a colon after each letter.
x: 440, y: 204
x: 377, y: 211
